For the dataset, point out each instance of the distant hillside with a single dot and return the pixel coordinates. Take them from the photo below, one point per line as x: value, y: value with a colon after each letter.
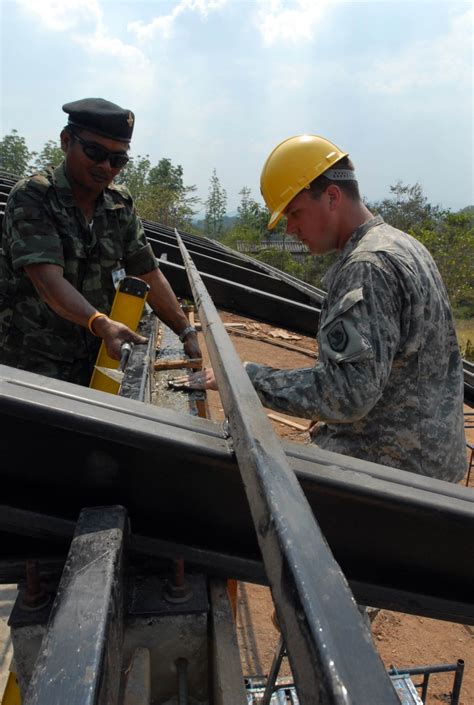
x: 229, y: 222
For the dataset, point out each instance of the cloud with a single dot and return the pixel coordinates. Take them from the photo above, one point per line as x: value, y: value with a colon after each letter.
x: 444, y: 60
x: 163, y: 24
x: 83, y: 21
x: 63, y: 15
x: 100, y: 43
x: 279, y: 20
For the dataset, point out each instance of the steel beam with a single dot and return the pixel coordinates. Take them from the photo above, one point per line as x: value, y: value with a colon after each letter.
x: 234, y: 272
x: 328, y: 645
x: 315, y: 294
x: 80, y: 657
x: 247, y: 301
x: 409, y: 534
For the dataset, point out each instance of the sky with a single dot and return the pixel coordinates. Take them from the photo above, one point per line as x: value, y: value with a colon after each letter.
x: 217, y: 84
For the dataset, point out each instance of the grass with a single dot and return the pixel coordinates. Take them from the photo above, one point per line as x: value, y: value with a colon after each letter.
x: 465, y: 333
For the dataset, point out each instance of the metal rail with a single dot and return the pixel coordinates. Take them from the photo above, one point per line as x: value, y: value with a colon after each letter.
x: 329, y: 647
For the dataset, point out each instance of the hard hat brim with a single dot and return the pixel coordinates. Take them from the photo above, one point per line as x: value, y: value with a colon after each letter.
x: 275, y: 218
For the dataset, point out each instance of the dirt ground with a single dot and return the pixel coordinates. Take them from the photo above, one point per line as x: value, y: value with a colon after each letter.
x: 401, y: 640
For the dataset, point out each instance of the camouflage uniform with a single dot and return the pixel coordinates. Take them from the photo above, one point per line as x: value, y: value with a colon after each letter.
x: 41, y: 225
x: 388, y: 386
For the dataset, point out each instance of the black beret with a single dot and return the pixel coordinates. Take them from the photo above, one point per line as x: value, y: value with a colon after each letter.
x: 102, y: 117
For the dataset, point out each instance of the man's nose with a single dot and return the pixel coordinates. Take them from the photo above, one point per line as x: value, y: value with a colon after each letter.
x: 106, y: 162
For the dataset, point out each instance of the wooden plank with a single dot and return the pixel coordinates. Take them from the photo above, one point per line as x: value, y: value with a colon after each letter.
x: 273, y: 341
x: 186, y: 362
x: 287, y: 422
x: 227, y: 676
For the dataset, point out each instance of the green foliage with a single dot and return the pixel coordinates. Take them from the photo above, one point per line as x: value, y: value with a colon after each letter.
x: 316, y: 267
x: 135, y: 176
x: 167, y: 176
x: 282, y: 259
x: 448, y: 236
x: 250, y: 214
x: 240, y: 233
x: 216, y: 205
x: 251, y: 224
x: 408, y: 209
x: 14, y: 154
x: 50, y: 155
x: 467, y: 351
x: 159, y: 192
x: 452, y: 247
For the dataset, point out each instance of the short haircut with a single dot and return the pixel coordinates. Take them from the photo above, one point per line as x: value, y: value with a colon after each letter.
x: 351, y: 188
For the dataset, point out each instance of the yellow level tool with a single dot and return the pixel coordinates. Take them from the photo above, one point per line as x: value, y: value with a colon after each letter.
x: 127, y: 308
x: 11, y: 694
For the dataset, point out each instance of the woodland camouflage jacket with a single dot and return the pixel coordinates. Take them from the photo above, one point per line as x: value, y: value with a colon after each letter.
x: 42, y: 224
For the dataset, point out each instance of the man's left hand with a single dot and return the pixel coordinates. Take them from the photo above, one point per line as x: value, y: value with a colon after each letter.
x: 191, y: 346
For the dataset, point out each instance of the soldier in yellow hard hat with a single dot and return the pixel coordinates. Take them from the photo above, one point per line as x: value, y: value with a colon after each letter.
x: 388, y: 383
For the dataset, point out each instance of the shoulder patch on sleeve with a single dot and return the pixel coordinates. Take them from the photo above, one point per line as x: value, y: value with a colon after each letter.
x: 337, y: 336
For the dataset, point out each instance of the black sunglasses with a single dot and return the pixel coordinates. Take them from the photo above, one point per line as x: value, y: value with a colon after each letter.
x: 99, y: 154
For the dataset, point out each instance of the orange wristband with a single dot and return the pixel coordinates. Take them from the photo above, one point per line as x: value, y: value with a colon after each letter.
x: 91, y: 320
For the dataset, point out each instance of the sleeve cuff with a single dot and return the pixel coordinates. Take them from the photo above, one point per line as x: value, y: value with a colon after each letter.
x: 141, y: 262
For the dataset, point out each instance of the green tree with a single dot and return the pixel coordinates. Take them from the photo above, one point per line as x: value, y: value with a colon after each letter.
x: 134, y: 176
x: 14, y: 154
x: 216, y: 205
x: 282, y: 259
x: 159, y: 192
x: 174, y: 202
x: 408, y: 208
x: 451, y: 244
x: 166, y: 175
x: 50, y: 155
x: 251, y: 225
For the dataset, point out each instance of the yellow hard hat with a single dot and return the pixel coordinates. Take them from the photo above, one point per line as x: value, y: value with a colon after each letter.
x: 292, y: 166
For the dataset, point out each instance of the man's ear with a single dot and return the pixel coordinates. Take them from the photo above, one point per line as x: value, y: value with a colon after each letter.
x: 65, y: 138
x: 334, y: 194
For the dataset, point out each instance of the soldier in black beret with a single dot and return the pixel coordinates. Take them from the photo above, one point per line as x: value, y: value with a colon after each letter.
x: 69, y: 235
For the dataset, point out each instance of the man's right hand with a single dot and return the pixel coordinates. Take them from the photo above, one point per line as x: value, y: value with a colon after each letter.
x: 114, y: 334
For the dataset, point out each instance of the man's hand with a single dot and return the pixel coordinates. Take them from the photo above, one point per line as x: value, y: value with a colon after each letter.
x: 114, y: 334
x: 191, y: 346
x: 204, y: 379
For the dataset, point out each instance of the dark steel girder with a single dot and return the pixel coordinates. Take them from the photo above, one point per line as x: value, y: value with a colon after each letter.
x: 402, y: 539
x: 200, y: 244
x: 80, y: 657
x: 315, y: 294
x: 231, y: 272
x: 468, y: 382
x: 247, y: 301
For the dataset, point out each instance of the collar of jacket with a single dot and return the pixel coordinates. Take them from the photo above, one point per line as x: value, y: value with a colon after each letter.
x: 66, y: 197
x: 350, y: 245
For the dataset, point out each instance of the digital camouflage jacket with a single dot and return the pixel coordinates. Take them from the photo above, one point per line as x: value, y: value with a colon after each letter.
x: 42, y: 224
x: 388, y: 385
